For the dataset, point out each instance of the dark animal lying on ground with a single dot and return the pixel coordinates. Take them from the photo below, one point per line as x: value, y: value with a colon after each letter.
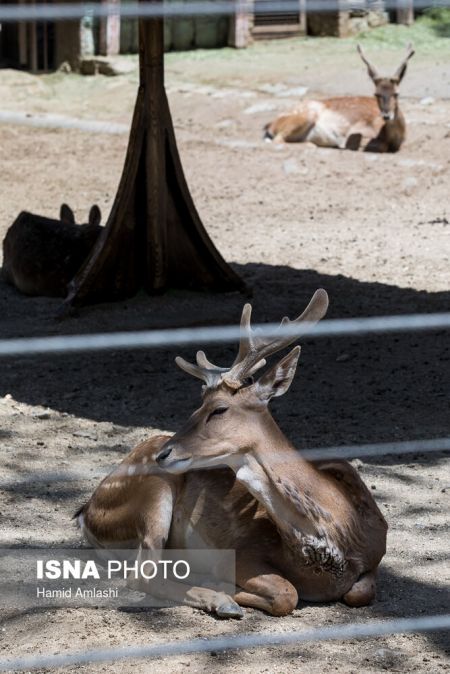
x: 41, y: 255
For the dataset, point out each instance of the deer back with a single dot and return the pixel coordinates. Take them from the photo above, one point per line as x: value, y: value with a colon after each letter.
x: 41, y: 255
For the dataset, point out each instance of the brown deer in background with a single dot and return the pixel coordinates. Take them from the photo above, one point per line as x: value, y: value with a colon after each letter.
x: 299, y: 528
x: 344, y: 122
x: 41, y: 255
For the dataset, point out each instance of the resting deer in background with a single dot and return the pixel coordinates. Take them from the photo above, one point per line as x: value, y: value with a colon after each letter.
x: 41, y: 255
x: 343, y: 122
x: 299, y: 528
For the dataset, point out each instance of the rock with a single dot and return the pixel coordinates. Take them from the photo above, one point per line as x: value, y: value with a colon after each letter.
x: 376, y: 19
x: 409, y: 186
x: 292, y: 166
x: 295, y: 92
x: 225, y: 124
x: 40, y: 415
x: 85, y: 434
x: 272, y: 88
x: 109, y: 66
x: 427, y: 100
x: 358, y: 464
x: 88, y: 67
x: 259, y: 107
x: 65, y: 68
x: 387, y: 653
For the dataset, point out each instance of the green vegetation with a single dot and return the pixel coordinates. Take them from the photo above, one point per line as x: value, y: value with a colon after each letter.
x: 430, y: 32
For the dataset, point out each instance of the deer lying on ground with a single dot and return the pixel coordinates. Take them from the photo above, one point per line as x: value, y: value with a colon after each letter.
x: 41, y: 255
x: 299, y: 528
x: 345, y: 121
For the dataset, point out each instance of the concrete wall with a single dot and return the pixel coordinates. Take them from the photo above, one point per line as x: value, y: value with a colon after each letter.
x: 180, y: 34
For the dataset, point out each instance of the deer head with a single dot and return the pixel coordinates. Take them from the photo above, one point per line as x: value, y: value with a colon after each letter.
x: 234, y: 415
x: 386, y: 88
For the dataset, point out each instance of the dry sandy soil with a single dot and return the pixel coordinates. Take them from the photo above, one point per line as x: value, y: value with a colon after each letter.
x: 372, y: 229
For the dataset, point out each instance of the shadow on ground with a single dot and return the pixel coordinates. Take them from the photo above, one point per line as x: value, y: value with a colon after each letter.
x: 398, y: 597
x: 352, y: 389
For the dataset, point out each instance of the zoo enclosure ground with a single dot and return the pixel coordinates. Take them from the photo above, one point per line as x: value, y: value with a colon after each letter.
x: 372, y: 229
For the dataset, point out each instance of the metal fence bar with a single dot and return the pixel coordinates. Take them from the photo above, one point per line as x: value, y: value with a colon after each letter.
x: 186, y: 336
x: 339, y: 452
x: 260, y: 640
x: 73, y: 11
x: 61, y: 122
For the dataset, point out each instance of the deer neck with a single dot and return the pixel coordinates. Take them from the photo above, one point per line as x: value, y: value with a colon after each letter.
x: 394, y: 130
x: 277, y: 476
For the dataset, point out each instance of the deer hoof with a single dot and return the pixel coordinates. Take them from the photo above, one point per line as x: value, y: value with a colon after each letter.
x: 230, y: 609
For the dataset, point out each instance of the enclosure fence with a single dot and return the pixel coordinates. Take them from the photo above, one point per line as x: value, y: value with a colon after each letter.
x: 65, y: 344
x: 148, y: 10
x: 30, y: 347
x: 54, y: 345
x: 185, y: 336
x: 260, y: 640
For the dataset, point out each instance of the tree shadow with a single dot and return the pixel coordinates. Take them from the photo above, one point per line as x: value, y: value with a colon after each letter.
x: 348, y: 390
x: 398, y: 597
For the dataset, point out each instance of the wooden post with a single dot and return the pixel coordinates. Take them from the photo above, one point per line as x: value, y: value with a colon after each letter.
x: 23, y: 42
x: 110, y: 32
x: 334, y: 23
x: 154, y: 237
x: 239, y: 31
x: 405, y: 12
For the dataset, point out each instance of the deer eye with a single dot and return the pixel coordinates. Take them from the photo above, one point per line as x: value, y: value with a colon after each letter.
x: 217, y: 411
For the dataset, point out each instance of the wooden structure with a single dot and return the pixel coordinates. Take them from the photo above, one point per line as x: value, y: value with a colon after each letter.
x: 405, y: 12
x: 109, y: 32
x: 154, y: 237
x: 260, y: 24
x: 269, y: 25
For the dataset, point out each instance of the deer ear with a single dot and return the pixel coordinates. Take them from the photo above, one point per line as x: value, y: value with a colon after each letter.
x: 66, y: 215
x: 277, y: 380
x: 95, y: 215
x: 401, y: 70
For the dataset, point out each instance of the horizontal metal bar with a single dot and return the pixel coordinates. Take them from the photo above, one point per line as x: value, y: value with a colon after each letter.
x: 61, y: 122
x: 185, y: 336
x: 313, y: 454
x: 134, y: 10
x: 223, y: 643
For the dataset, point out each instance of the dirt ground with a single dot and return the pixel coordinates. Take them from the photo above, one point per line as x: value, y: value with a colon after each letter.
x: 372, y: 229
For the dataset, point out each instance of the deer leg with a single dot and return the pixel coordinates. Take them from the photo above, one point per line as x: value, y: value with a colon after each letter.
x: 169, y: 593
x: 363, y: 591
x: 173, y: 592
x: 290, y: 128
x: 353, y: 142
x: 262, y: 586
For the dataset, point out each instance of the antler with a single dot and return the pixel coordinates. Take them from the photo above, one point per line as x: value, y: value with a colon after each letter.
x: 402, y: 67
x: 208, y: 372
x: 253, y: 349
x: 373, y: 72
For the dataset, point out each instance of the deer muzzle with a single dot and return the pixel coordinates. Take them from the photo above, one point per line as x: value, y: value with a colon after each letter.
x: 171, y: 458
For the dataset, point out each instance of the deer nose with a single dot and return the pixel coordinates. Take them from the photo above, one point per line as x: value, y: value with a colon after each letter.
x: 164, y: 453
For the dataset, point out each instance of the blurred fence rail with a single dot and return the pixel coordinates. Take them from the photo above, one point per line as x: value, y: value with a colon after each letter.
x: 134, y: 10
x: 196, y: 335
x: 260, y: 640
